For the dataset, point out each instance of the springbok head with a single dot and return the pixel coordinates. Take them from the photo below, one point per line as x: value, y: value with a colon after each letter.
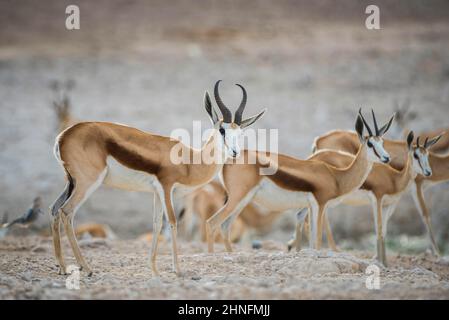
x: 374, y: 140
x: 61, y: 102
x: 421, y: 154
x: 229, y: 129
x: 403, y: 116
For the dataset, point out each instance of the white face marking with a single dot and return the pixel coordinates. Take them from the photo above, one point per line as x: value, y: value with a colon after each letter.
x: 376, y: 150
x: 421, y: 162
x: 232, y: 135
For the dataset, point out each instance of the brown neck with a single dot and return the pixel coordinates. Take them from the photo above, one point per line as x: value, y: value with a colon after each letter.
x: 407, y: 174
x: 352, y: 177
x: 398, y: 150
x: 207, y: 161
x: 440, y: 167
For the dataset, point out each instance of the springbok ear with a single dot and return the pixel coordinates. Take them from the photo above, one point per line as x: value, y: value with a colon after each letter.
x: 386, y: 126
x: 433, y: 141
x: 410, y: 137
x: 359, y: 127
x: 249, y: 121
x: 210, y: 109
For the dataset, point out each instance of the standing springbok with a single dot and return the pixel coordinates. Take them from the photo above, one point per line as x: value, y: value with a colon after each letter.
x: 296, y: 183
x: 346, y: 141
x: 96, y: 153
x: 62, y: 105
x: 383, y: 187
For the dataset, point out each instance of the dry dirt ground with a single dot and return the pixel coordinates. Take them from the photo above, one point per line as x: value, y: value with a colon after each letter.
x: 122, y: 271
x: 148, y: 63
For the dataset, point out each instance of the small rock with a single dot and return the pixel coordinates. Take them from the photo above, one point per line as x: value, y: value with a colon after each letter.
x: 228, y: 259
x: 196, y: 278
x: 38, y: 249
x: 257, y: 244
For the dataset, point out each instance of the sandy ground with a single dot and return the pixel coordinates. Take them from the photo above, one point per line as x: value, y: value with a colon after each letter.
x: 122, y: 271
x: 148, y: 63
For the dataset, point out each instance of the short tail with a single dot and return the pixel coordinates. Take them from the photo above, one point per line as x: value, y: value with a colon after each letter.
x: 64, y: 196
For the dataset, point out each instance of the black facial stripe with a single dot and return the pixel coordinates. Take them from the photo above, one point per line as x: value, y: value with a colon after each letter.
x: 375, y: 152
x: 420, y: 165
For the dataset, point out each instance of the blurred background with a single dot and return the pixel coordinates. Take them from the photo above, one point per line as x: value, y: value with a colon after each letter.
x: 148, y: 63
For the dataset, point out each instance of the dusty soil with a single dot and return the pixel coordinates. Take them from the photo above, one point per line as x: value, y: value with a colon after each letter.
x: 148, y: 63
x: 121, y: 270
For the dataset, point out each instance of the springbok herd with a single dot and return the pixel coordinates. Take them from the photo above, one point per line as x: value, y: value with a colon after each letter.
x: 348, y: 167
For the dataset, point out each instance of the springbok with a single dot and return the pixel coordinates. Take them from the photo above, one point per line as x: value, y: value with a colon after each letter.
x: 296, y: 183
x: 62, y: 105
x: 346, y: 141
x: 96, y: 153
x: 383, y: 187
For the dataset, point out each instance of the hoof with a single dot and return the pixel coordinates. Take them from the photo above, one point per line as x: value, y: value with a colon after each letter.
x: 256, y: 244
x: 62, y: 271
x: 290, y: 245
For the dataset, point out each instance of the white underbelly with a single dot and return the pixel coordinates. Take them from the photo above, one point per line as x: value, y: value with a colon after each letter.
x: 274, y: 198
x: 119, y: 176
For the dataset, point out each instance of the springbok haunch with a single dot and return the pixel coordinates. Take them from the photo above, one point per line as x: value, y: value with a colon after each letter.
x: 96, y: 153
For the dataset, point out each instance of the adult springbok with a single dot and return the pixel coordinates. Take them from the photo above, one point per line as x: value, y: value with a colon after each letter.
x: 346, y: 141
x: 62, y: 105
x: 296, y: 183
x: 96, y: 153
x: 383, y: 187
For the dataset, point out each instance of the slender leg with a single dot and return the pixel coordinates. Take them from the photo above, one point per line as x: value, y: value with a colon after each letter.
x: 56, y: 232
x: 188, y: 219
x: 418, y: 197
x: 307, y: 226
x: 167, y: 206
x: 329, y: 235
x: 235, y: 204
x: 387, y: 213
x: 157, y: 227
x: 313, y: 230
x: 296, y: 241
x: 377, y: 212
x: 226, y: 229
x: 67, y: 219
x: 321, y: 214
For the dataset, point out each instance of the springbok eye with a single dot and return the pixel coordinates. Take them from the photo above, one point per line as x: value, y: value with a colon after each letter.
x: 369, y: 144
x: 415, y: 156
x: 222, y: 131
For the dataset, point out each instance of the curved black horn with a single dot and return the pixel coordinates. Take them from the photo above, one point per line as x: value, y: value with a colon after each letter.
x: 239, y: 112
x: 227, y: 115
x: 376, y: 128
x: 425, y: 142
x: 364, y: 121
x: 417, y: 142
